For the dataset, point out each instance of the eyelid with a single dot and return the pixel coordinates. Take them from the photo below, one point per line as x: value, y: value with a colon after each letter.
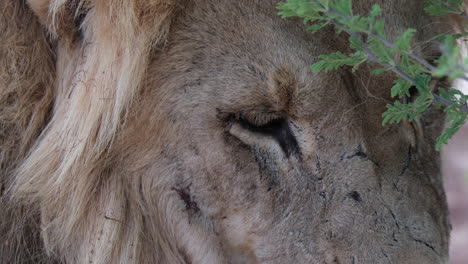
x: 250, y: 138
x: 259, y: 119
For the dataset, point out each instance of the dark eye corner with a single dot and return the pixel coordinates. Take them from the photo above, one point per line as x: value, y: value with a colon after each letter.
x: 267, y: 127
x: 262, y: 122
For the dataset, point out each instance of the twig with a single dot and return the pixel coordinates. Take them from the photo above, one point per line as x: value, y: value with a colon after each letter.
x: 388, y: 43
x: 462, y: 13
x: 395, y: 69
x: 441, y: 100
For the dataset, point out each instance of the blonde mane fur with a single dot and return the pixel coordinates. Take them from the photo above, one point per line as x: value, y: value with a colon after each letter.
x: 56, y: 134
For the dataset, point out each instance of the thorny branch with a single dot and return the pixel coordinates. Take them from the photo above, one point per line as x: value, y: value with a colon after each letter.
x: 395, y: 69
x: 388, y: 43
x: 462, y: 14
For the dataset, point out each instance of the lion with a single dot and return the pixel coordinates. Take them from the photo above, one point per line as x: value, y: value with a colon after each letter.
x: 164, y: 131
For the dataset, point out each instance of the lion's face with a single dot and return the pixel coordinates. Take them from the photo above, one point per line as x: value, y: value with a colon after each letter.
x: 261, y: 160
x: 231, y: 150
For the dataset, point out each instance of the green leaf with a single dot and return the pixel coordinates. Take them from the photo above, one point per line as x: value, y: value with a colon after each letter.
x: 379, y: 71
x: 442, y: 7
x: 448, y: 62
x: 411, y: 68
x: 455, y: 125
x: 325, y: 3
x: 344, y: 7
x: 360, y: 58
x: 395, y: 113
x: 356, y: 24
x: 379, y: 28
x: 454, y: 92
x: 356, y: 43
x: 418, y: 106
x: 400, y: 88
x: 422, y: 84
x: 403, y: 42
x: 316, y: 27
x: 454, y: 36
x: 381, y: 51
x: 308, y: 10
x: 375, y: 11
x: 338, y: 59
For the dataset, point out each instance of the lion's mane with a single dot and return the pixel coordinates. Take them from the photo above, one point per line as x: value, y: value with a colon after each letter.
x: 56, y: 134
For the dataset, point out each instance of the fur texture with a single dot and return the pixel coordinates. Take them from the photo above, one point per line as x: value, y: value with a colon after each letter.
x: 164, y: 131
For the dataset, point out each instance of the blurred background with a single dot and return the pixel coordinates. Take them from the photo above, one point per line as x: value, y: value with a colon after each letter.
x: 455, y: 171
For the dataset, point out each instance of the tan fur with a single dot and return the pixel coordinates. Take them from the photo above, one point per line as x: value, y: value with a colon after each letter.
x: 121, y: 140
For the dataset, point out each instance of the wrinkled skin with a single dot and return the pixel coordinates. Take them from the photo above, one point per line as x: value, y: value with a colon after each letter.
x: 243, y: 155
x: 326, y: 183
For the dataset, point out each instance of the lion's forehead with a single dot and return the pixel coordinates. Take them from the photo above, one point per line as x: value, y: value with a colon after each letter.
x: 251, y: 64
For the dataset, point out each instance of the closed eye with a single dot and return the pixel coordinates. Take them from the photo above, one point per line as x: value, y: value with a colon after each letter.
x: 274, y: 126
x: 266, y: 126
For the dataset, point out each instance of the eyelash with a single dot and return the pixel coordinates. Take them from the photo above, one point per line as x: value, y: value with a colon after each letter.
x: 267, y: 128
x: 260, y: 122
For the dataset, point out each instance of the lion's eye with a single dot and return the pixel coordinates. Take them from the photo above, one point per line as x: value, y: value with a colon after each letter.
x: 259, y: 129
x: 261, y: 122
